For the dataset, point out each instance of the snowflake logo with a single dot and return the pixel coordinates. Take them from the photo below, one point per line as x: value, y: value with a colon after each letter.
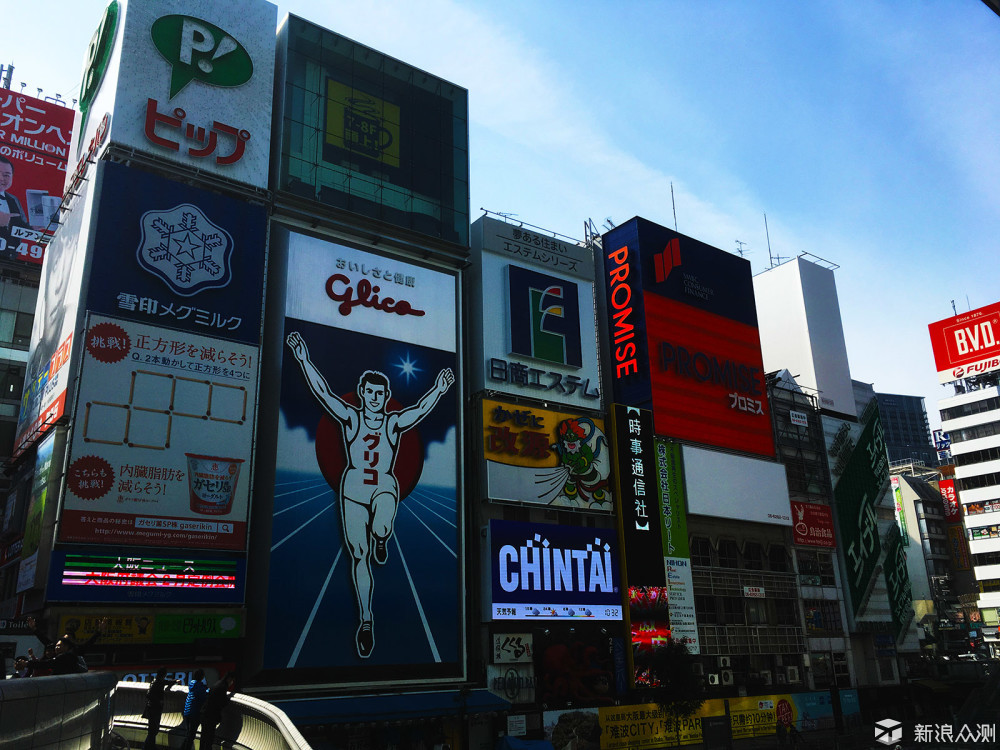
x: 184, y: 248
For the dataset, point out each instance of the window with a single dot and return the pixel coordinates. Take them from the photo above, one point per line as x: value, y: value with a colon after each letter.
x: 756, y: 611
x: 966, y: 410
x: 729, y: 554
x: 822, y: 618
x: 753, y: 556
x: 786, y: 612
x: 732, y: 611
x: 704, y: 607
x: 777, y: 557
x: 815, y: 568
x: 841, y: 670
x: 701, y: 551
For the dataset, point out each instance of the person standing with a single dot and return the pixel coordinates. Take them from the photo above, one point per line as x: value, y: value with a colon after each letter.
x: 154, y: 705
x: 211, y: 713
x: 197, y: 691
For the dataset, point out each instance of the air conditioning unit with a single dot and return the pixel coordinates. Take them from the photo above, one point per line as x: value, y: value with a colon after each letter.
x: 766, y: 676
x: 725, y: 662
x: 793, y: 674
x: 781, y: 678
x: 713, y: 679
x: 727, y: 677
x: 698, y: 668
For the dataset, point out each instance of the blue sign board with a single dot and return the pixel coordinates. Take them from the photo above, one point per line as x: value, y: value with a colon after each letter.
x: 171, y: 255
x: 110, y: 574
x: 549, y: 572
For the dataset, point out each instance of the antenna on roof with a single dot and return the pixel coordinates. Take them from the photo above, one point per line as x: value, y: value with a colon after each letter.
x: 775, y: 259
x: 739, y: 250
x: 673, y: 203
x: 953, y: 310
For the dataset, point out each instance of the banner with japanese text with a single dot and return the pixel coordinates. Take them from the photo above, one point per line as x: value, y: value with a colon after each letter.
x: 813, y: 525
x: 367, y: 510
x: 35, y: 136
x: 161, y: 449
x: 545, y: 457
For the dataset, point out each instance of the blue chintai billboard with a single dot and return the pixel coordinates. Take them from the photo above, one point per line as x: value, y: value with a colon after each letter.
x: 366, y: 509
x: 549, y: 572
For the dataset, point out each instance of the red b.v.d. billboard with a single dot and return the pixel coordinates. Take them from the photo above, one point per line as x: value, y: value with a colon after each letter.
x: 967, y: 344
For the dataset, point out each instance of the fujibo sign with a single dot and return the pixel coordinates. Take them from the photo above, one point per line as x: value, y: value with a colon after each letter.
x: 548, y: 572
x: 966, y: 344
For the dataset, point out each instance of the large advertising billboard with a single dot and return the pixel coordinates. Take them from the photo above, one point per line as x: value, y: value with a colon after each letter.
x: 35, y: 137
x: 170, y: 255
x: 684, y: 341
x: 365, y: 133
x: 545, y: 457
x: 367, y: 517
x: 122, y: 575
x: 864, y: 477
x: 897, y: 582
x: 725, y: 485
x: 550, y: 572
x: 191, y: 83
x: 966, y: 344
x: 533, y: 326
x: 49, y: 366
x: 162, y: 439
x: 676, y: 550
x: 813, y: 525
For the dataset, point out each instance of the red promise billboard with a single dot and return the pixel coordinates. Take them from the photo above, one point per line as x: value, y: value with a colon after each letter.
x: 967, y: 344
x: 683, y: 335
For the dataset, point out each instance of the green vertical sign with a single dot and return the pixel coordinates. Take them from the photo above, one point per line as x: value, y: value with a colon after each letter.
x: 897, y: 582
x: 673, y: 502
x: 857, y: 491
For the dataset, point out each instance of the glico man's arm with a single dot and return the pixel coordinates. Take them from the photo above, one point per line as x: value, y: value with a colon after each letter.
x: 337, y: 408
x: 409, y: 417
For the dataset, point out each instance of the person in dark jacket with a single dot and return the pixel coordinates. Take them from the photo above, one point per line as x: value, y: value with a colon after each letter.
x: 154, y: 705
x: 66, y: 657
x: 211, y: 713
x: 197, y: 690
x: 22, y: 667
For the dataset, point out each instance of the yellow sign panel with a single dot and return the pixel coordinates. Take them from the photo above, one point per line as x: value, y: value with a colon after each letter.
x: 120, y: 628
x: 361, y: 123
x: 546, y: 457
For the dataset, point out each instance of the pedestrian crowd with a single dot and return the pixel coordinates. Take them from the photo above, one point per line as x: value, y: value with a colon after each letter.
x: 60, y: 656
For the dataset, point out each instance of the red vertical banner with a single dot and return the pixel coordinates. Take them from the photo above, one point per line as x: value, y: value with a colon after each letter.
x: 34, y: 145
x: 952, y: 509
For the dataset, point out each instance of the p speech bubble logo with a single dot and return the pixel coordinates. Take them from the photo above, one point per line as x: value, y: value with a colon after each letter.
x: 198, y: 49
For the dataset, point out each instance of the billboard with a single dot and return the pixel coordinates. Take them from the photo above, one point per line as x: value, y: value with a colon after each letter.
x: 49, y: 367
x: 966, y: 344
x: 142, y: 578
x: 190, y: 83
x: 41, y: 504
x: 897, y: 582
x: 636, y: 495
x: 35, y: 138
x: 368, y: 134
x: 367, y: 505
x: 549, y: 572
x: 676, y: 551
x: 813, y: 525
x: 127, y: 628
x: 864, y: 476
x: 533, y: 325
x: 545, y: 457
x: 161, y: 448
x: 170, y: 255
x: 684, y: 338
x: 952, y: 508
x: 736, y: 487
x: 958, y: 548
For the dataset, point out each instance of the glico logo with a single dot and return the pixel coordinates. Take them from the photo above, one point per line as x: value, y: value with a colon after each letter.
x: 544, y: 317
x: 536, y: 566
x: 198, y: 49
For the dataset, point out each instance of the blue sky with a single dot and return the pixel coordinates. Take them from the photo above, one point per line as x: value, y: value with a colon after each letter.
x: 865, y: 130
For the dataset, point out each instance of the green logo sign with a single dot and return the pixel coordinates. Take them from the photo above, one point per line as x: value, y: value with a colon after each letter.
x: 198, y: 49
x: 98, y: 57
